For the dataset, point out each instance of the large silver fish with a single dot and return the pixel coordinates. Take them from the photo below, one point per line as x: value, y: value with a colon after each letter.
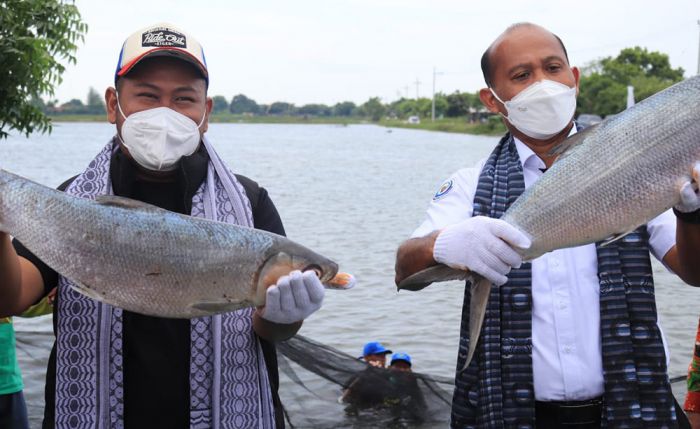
x: 607, y: 180
x: 149, y: 260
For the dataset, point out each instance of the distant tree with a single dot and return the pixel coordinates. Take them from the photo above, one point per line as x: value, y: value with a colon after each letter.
x: 35, y: 36
x: 373, y: 109
x: 346, y: 108
x: 281, y: 108
x: 242, y: 104
x: 315, y: 110
x: 603, y: 85
x: 404, y: 107
x: 220, y: 104
x: 73, y: 106
x: 461, y: 103
x: 424, y: 107
x: 95, y: 103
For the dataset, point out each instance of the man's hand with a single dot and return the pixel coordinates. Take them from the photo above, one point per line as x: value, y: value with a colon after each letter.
x: 690, y: 198
x: 483, y: 245
x: 294, y: 298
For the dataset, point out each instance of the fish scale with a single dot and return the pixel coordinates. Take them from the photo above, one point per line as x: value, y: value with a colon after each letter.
x: 621, y: 174
x: 148, y: 260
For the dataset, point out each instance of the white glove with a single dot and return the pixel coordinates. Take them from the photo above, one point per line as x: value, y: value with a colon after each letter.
x: 690, y: 199
x: 483, y: 245
x: 295, y: 297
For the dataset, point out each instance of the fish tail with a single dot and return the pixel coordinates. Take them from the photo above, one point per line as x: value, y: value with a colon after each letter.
x: 480, y: 290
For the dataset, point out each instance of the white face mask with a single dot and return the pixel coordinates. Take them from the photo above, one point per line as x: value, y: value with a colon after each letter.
x: 157, y: 138
x: 542, y: 109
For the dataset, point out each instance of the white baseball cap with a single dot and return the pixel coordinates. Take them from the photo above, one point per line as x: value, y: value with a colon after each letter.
x: 160, y: 40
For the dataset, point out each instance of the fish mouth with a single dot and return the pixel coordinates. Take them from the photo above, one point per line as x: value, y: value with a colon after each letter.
x: 281, y: 264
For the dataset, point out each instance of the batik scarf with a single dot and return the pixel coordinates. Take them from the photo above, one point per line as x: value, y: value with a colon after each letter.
x: 229, y: 386
x: 497, y: 390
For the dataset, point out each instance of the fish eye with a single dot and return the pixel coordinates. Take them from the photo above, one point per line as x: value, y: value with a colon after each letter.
x: 315, y: 268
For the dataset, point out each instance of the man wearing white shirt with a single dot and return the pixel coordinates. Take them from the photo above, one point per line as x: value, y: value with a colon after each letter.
x: 556, y: 362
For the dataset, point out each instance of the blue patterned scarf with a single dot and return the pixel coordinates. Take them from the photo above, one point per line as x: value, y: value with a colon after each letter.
x: 497, y: 389
x: 229, y: 386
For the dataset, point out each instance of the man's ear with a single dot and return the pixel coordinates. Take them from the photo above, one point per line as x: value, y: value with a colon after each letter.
x: 209, y: 106
x: 577, y: 77
x: 111, y: 105
x: 489, y: 100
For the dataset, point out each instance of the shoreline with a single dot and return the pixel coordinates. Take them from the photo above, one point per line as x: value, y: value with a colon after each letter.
x: 448, y: 125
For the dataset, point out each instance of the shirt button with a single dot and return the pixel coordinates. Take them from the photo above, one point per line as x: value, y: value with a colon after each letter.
x: 567, y: 349
x: 562, y: 305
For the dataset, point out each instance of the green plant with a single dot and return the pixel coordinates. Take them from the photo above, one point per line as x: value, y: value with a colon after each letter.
x: 35, y: 36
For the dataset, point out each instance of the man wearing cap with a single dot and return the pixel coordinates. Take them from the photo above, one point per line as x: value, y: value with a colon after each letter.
x: 374, y: 354
x: 400, y: 361
x: 113, y: 368
x: 368, y: 388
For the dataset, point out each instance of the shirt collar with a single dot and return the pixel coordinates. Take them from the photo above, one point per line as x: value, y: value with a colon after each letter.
x: 527, y: 156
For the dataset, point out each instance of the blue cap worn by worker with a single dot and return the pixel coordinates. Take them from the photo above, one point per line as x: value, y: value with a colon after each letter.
x: 374, y: 348
x: 401, y: 356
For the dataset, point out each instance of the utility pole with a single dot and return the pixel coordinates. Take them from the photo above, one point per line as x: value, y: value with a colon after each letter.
x: 698, y: 73
x: 433, y: 110
x: 417, y: 83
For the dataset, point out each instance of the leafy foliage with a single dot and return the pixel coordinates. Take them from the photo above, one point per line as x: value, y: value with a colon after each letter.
x: 242, y: 104
x: 35, y: 35
x: 603, y: 86
x: 219, y: 104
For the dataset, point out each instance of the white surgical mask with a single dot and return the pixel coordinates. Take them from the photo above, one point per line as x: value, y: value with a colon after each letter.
x: 542, y: 109
x: 157, y: 138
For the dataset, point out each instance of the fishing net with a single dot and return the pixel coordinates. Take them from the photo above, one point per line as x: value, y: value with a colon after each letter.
x: 337, y: 390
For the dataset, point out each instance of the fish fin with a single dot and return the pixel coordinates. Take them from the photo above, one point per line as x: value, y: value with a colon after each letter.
x: 614, y: 238
x: 436, y: 273
x: 222, y: 305
x: 126, y: 203
x: 562, y: 148
x: 481, y: 289
x: 87, y: 291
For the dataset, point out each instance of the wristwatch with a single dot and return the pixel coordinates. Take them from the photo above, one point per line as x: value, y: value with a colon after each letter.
x: 691, y: 217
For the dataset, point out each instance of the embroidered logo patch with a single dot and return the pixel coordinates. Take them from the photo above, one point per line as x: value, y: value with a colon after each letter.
x: 163, y: 37
x: 444, y: 189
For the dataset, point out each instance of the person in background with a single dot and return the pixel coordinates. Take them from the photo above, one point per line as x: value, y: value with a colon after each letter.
x: 13, y: 409
x: 400, y: 362
x: 367, y: 388
x: 692, y: 397
x: 374, y: 353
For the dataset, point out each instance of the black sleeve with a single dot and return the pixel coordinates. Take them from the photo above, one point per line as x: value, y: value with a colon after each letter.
x: 48, y: 274
x: 265, y: 215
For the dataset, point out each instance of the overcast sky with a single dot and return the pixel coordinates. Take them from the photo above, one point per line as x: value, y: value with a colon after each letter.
x: 326, y: 51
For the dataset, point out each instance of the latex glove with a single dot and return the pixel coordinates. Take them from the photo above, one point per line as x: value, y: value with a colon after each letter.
x: 482, y: 245
x: 295, y: 297
x: 690, y: 199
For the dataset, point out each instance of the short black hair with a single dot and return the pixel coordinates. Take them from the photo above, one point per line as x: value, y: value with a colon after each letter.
x: 486, y: 57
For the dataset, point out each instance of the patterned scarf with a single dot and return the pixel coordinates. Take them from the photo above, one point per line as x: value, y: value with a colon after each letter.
x: 229, y: 385
x: 497, y: 390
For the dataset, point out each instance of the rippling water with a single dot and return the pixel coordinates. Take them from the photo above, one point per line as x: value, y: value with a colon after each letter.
x: 353, y: 193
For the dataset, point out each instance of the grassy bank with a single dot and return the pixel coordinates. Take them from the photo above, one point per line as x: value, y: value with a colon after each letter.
x: 450, y: 125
